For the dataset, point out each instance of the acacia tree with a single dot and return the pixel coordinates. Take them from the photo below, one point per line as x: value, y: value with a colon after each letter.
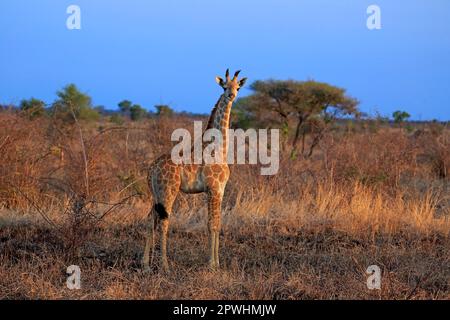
x: 164, y: 110
x: 71, y: 100
x: 400, y: 117
x: 125, y: 106
x: 302, y: 107
x: 137, y: 112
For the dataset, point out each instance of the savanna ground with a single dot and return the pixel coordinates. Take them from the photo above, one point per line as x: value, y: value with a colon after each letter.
x: 371, y: 194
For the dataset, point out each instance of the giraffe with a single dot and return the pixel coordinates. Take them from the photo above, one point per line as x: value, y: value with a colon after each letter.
x: 167, y: 179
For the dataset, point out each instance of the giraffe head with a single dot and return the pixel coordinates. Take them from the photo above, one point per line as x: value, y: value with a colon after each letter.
x: 231, y: 86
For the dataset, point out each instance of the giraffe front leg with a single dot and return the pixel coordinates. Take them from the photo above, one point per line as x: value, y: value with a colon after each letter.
x: 216, y: 247
x: 214, y: 209
x: 212, y: 241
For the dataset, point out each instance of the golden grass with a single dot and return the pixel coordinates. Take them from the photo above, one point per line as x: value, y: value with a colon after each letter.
x: 310, y: 232
x: 314, y: 247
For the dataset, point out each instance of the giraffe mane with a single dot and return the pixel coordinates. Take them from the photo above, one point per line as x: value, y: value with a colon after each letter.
x: 213, y: 113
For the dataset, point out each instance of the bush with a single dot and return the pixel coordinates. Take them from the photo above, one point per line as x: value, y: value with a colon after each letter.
x: 137, y: 112
x: 164, y: 110
x: 33, y: 108
x: 73, y: 103
x: 116, y: 119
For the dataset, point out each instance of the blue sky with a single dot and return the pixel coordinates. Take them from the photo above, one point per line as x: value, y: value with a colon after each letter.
x: 169, y: 51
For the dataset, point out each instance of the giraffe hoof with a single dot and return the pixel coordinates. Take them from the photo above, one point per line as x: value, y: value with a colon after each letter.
x: 165, y: 267
x: 146, y: 269
x: 213, y: 266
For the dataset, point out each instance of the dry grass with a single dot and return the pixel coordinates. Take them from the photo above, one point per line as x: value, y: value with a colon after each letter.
x: 309, y: 232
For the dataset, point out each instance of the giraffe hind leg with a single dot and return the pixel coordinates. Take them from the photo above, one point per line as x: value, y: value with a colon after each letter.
x: 165, y: 183
x: 163, y: 221
x: 150, y: 240
x: 156, y: 214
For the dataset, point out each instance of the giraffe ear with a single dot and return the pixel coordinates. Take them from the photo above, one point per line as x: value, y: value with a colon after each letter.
x: 220, y: 81
x: 242, y: 82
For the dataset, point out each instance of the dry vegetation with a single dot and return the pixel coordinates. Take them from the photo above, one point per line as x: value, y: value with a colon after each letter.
x: 366, y: 197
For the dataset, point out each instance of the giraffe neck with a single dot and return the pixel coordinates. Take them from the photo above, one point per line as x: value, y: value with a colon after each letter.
x: 220, y: 119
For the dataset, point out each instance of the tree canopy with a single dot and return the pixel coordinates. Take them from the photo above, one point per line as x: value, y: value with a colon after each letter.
x: 164, y: 110
x: 302, y: 107
x: 74, y: 102
x: 137, y: 112
x: 125, y: 106
x: 400, y: 116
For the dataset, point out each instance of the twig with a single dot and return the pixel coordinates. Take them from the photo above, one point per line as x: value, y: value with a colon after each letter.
x: 4, y: 141
x: 416, y: 287
x: 42, y: 213
x: 114, y: 206
x: 130, y: 184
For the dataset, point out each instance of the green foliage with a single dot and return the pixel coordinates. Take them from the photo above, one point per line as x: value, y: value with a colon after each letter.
x: 137, y: 112
x: 125, y: 106
x: 400, y: 116
x: 281, y: 100
x: 350, y: 126
x: 116, y: 119
x: 299, y: 107
x: 285, y: 129
x: 409, y: 128
x: 73, y: 102
x: 241, y: 115
x: 88, y: 114
x: 33, y: 108
x: 163, y: 110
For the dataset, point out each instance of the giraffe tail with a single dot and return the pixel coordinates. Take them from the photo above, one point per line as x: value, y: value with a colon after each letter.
x: 161, y: 211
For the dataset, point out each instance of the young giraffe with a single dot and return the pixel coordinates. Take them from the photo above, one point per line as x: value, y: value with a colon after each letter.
x: 166, y: 179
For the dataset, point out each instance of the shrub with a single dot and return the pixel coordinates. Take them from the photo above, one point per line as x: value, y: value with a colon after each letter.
x: 33, y: 108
